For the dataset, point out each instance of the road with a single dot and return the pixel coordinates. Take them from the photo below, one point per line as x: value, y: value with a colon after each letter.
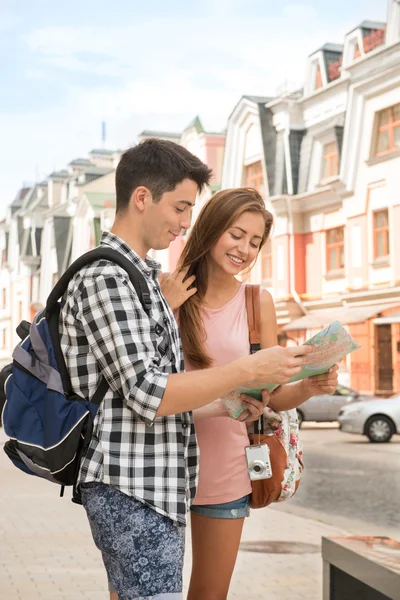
x: 347, y: 479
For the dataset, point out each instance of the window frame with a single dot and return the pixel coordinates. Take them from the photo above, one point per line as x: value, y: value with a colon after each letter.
x: 327, y: 157
x: 254, y: 180
x: 266, y: 261
x: 390, y: 127
x: 318, y: 84
x: 334, y: 246
x: 376, y: 231
x: 3, y: 339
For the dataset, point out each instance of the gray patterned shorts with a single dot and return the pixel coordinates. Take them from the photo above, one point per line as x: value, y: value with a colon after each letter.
x: 142, y: 551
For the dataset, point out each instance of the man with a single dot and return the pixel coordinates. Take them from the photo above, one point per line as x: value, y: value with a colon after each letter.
x: 139, y: 475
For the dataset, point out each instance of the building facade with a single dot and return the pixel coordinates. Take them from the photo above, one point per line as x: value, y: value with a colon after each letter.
x: 327, y: 159
x: 46, y: 227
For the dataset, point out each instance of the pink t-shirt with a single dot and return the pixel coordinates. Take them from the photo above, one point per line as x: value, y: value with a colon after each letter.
x: 223, y: 471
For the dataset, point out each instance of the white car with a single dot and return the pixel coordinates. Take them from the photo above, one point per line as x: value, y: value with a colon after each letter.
x: 379, y: 420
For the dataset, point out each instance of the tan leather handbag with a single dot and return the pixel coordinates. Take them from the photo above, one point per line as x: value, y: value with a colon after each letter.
x: 266, y: 491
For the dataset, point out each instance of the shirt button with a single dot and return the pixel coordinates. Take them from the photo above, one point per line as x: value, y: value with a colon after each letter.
x: 158, y: 329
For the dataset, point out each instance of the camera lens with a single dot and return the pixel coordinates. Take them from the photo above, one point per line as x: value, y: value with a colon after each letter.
x: 257, y: 467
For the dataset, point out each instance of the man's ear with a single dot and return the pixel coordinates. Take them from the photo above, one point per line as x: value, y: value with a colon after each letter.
x: 140, y: 196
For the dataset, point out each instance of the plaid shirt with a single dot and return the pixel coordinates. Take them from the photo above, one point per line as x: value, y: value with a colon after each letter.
x: 106, y: 333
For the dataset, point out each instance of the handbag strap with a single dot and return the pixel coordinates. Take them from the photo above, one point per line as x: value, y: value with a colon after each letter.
x: 253, y: 307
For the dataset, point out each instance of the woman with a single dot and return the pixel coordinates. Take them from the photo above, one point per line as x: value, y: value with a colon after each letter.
x: 225, y: 241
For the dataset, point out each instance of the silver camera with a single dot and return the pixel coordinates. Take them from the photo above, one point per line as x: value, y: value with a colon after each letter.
x: 258, y: 462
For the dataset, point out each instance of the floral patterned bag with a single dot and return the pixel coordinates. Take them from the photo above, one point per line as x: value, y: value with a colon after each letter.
x: 280, y: 431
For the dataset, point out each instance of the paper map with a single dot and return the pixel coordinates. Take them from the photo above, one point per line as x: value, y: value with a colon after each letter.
x: 330, y: 345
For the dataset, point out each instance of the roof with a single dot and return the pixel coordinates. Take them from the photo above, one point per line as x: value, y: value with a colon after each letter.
x: 371, y: 25
x: 80, y: 162
x: 89, y: 175
x: 59, y: 174
x: 152, y: 133
x: 103, y: 152
x: 329, y: 48
x: 17, y: 202
x: 259, y: 99
x: 345, y: 314
x: 93, y: 170
x: 100, y: 200
x: 197, y: 124
x: 393, y: 318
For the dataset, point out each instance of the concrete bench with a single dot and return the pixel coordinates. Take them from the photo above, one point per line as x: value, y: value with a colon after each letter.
x: 361, y: 568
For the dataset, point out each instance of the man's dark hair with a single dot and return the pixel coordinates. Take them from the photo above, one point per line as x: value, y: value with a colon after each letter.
x: 158, y: 165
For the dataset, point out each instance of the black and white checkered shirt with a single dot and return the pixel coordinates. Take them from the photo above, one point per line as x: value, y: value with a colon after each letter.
x: 105, y: 332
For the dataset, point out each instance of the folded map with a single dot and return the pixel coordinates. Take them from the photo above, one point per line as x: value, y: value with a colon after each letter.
x: 330, y: 345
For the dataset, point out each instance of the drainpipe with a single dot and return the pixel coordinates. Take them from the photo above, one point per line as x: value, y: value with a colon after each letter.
x: 289, y: 177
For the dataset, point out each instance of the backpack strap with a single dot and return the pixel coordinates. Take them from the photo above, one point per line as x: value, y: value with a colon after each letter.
x: 53, y: 307
x: 253, y: 307
x: 137, y: 279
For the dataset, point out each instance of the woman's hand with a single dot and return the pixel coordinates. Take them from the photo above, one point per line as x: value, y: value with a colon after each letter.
x: 175, y: 287
x: 255, y: 408
x: 321, y: 384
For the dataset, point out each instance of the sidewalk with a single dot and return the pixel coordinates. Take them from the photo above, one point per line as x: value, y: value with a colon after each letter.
x: 47, y: 553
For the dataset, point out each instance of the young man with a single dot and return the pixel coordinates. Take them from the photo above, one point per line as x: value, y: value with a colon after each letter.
x: 139, y: 475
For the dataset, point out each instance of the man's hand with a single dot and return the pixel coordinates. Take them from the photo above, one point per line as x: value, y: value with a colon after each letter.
x: 255, y: 408
x: 175, y: 287
x: 321, y: 384
x: 277, y: 364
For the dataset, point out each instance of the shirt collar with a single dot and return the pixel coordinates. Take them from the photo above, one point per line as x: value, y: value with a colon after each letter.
x: 149, y: 267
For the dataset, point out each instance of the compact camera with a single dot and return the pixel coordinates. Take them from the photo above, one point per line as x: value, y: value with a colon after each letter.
x: 258, y: 462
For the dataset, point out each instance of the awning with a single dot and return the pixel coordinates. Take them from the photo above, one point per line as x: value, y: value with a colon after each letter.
x: 347, y: 315
x: 394, y: 318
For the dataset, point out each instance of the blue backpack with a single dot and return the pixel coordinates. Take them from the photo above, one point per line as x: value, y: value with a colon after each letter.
x: 49, y: 426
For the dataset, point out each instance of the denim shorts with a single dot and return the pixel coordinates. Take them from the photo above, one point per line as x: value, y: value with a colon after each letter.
x: 237, y: 509
x: 142, y: 550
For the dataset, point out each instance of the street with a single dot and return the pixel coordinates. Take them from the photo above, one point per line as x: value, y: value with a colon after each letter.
x: 349, y: 487
x: 348, y: 478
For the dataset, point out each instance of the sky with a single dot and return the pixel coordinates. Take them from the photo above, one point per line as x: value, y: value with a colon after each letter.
x: 66, y: 67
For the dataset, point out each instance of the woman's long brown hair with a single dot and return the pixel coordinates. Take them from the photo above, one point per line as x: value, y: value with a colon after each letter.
x: 220, y: 212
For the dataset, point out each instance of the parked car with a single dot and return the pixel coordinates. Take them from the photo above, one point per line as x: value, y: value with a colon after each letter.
x: 326, y: 407
x: 378, y: 419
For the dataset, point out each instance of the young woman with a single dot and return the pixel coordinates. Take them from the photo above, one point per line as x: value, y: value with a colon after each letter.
x: 225, y: 241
